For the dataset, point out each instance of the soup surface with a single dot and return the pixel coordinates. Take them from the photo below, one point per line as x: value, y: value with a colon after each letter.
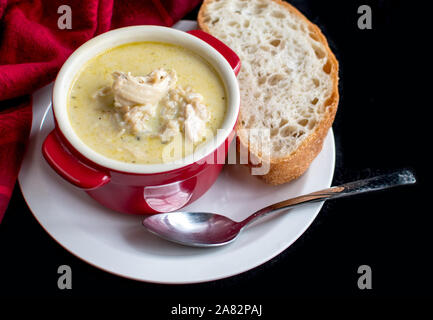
x: 146, y: 102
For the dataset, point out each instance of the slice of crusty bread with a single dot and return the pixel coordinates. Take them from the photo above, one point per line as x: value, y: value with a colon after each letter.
x: 288, y: 80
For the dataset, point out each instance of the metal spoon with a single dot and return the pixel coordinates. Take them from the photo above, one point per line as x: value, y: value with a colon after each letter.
x: 203, y: 229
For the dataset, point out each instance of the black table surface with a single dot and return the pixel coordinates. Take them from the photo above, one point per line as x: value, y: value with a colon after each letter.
x: 380, y: 126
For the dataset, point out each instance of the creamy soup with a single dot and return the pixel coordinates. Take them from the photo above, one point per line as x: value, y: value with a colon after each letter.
x: 146, y: 103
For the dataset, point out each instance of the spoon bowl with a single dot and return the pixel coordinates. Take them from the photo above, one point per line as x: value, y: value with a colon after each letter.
x: 199, y: 229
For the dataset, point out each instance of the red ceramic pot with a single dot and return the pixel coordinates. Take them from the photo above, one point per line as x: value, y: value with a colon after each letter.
x: 139, y: 188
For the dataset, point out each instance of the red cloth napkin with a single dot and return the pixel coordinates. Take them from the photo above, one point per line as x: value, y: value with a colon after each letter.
x: 33, y: 48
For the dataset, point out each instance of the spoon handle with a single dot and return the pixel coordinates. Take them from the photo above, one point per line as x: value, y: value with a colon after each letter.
x: 397, y: 178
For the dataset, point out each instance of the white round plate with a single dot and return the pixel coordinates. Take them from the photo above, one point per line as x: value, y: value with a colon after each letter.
x: 117, y: 243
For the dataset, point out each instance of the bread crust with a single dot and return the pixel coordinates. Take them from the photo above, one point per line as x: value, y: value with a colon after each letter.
x: 292, y: 166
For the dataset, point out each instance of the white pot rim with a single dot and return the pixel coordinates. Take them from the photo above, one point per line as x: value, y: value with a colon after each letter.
x: 121, y: 36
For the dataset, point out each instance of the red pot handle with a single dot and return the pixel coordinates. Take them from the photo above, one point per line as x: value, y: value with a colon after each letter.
x: 227, y: 53
x: 69, y: 167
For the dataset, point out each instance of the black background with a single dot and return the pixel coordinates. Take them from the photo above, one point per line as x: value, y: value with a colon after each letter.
x: 382, y: 124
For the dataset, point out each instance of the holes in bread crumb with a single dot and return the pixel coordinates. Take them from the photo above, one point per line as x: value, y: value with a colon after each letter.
x: 330, y: 100
x: 314, y: 36
x: 234, y: 24
x: 293, y: 26
x: 215, y: 21
x: 288, y: 131
x: 262, y: 6
x: 275, y: 79
x: 275, y: 42
x: 298, y: 134
x: 206, y: 19
x: 320, y: 54
x: 311, y: 124
x: 315, y: 100
x: 257, y: 95
x: 327, y: 67
x: 316, y: 82
x: 278, y: 15
x: 274, y: 132
x: 303, y: 122
x: 246, y: 24
x: 283, y: 122
x: 264, y: 48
